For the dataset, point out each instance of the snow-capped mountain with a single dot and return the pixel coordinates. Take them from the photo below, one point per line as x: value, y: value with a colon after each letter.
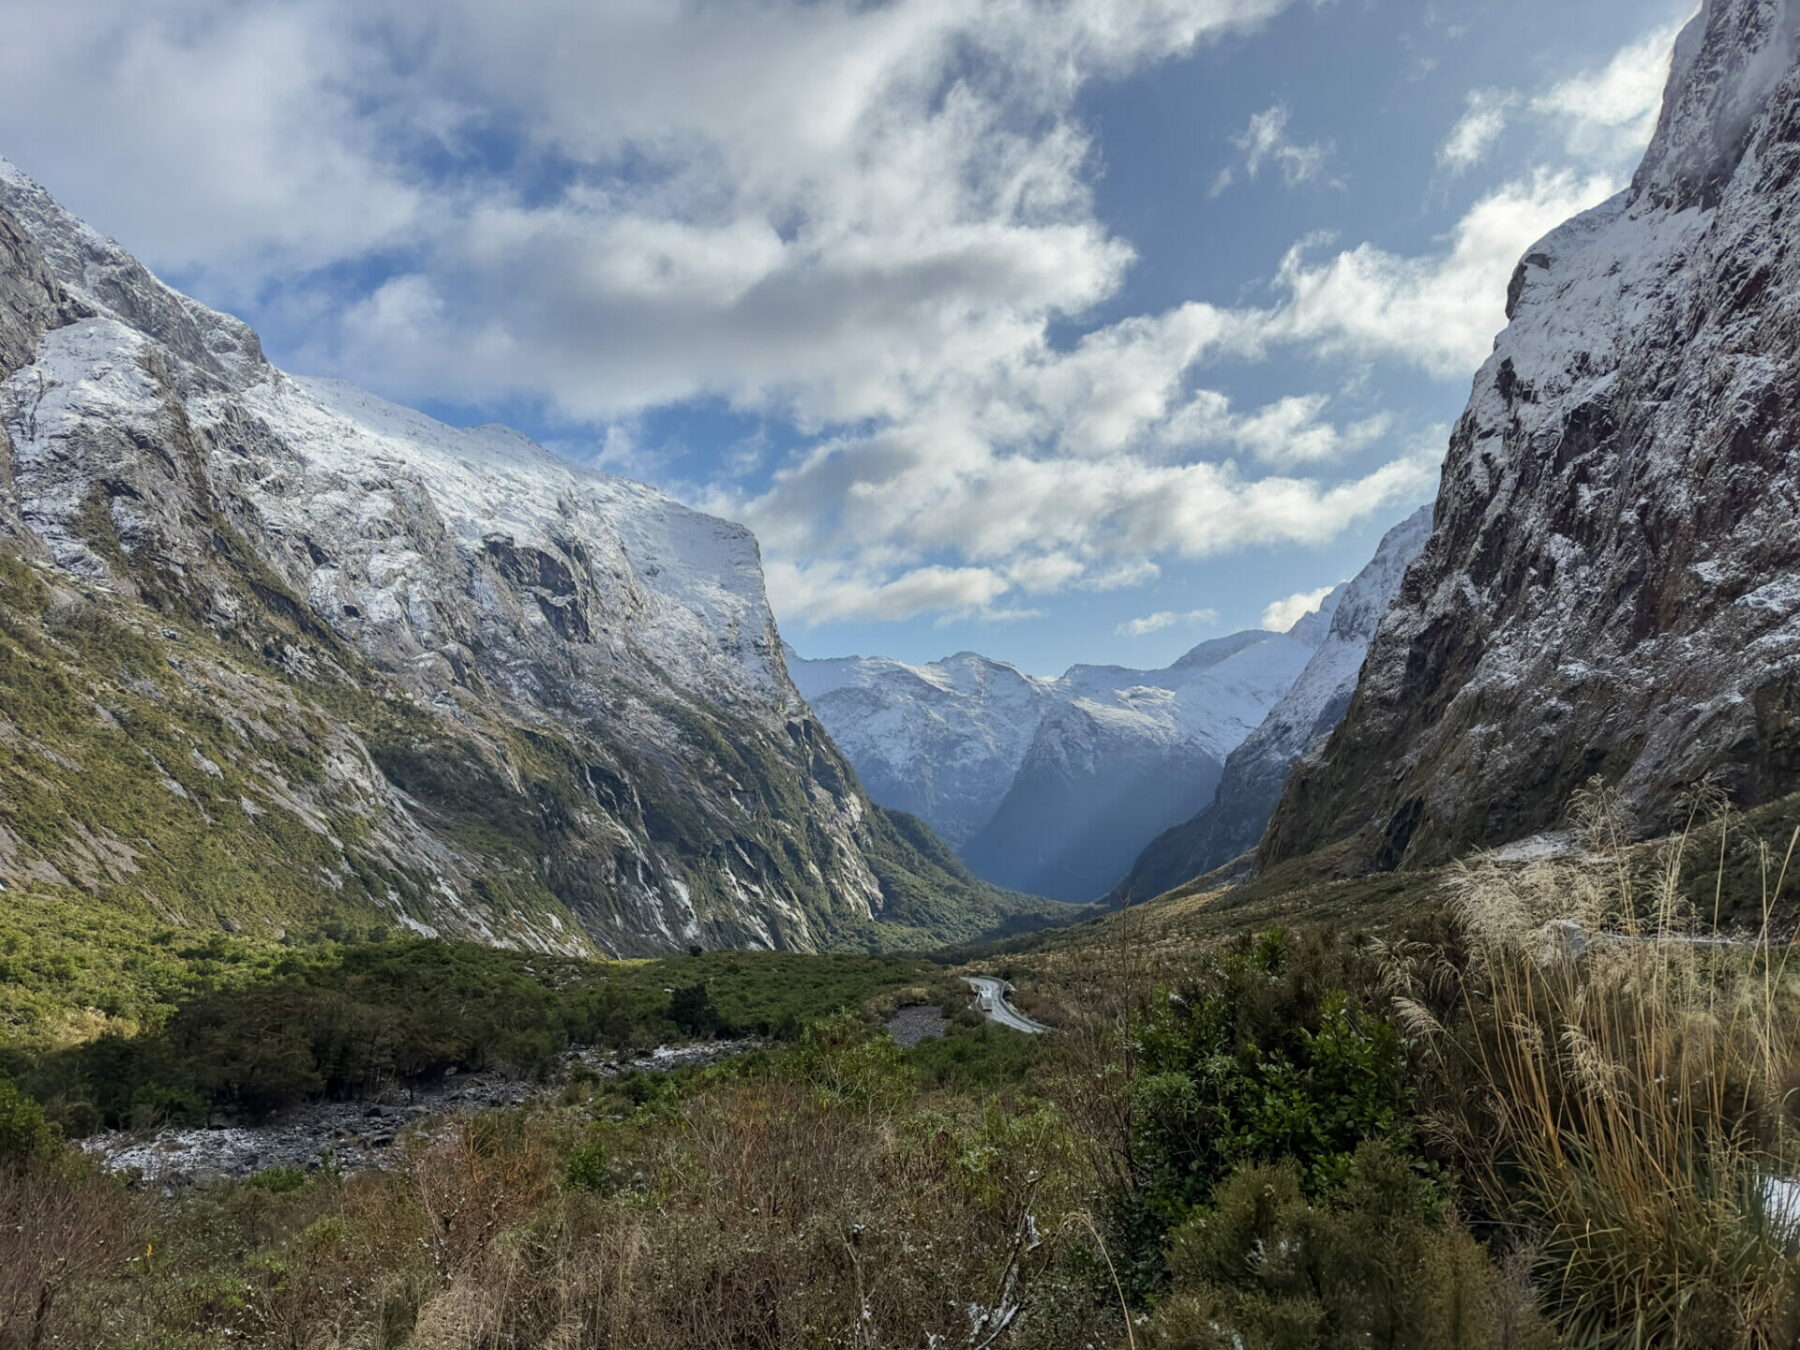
x: 1053, y: 785
x: 445, y: 677
x: 1297, y: 725
x: 941, y: 740
x: 1612, y: 585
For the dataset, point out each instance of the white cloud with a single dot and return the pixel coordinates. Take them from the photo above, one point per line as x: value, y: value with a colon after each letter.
x: 1282, y: 615
x: 1440, y: 310
x: 1483, y: 120
x: 227, y: 139
x: 827, y: 592
x: 1045, y: 573
x: 865, y: 220
x: 1131, y: 572
x: 1607, y: 115
x: 1156, y: 623
x: 1289, y: 432
x: 1265, y: 142
x: 1603, y: 117
x: 1042, y: 471
x: 895, y: 503
x: 812, y: 206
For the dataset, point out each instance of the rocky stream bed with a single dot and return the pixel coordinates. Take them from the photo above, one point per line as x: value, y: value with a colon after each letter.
x: 354, y: 1135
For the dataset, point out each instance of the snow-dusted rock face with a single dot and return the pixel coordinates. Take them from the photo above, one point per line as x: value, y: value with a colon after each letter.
x: 942, y: 740
x: 1052, y: 785
x: 563, y: 689
x: 1612, y: 585
x: 1298, y: 724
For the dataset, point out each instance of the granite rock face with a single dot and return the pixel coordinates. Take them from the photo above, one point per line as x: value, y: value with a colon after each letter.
x: 522, y: 700
x: 1612, y: 583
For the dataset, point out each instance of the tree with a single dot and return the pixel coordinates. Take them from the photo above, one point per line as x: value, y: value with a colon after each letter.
x: 691, y: 1009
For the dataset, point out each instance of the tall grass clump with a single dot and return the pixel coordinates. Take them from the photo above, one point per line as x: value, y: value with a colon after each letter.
x: 1616, y: 1080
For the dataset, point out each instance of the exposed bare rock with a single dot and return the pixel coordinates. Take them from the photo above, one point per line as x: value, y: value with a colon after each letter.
x: 1612, y: 585
x: 508, y: 697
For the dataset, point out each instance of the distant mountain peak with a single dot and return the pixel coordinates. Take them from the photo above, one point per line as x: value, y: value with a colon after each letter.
x: 1051, y: 785
x: 1297, y: 725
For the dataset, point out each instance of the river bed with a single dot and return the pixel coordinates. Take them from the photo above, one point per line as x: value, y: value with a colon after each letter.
x: 354, y: 1135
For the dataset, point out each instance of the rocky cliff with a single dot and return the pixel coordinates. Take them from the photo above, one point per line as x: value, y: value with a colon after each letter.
x: 1298, y: 725
x: 1612, y: 585
x: 276, y: 652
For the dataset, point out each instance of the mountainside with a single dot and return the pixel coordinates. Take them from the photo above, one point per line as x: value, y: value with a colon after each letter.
x: 274, y: 651
x: 1612, y: 585
x: 941, y: 740
x: 1052, y: 786
x: 1256, y: 771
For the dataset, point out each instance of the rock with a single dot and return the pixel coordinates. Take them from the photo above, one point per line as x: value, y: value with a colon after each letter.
x: 1612, y: 583
x: 589, y: 667
x: 916, y: 1022
x: 345, y: 1134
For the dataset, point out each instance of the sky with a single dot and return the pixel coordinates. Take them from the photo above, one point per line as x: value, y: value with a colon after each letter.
x: 1059, y: 330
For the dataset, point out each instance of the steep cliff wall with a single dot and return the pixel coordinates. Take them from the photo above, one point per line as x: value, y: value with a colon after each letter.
x: 1612, y: 586
x: 278, y: 651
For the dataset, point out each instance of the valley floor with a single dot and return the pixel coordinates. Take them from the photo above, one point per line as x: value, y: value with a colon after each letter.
x: 1428, y: 1119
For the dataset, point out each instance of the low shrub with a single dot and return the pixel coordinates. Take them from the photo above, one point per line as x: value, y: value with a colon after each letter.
x: 1376, y: 1260
x: 26, y: 1136
x: 1261, y: 1056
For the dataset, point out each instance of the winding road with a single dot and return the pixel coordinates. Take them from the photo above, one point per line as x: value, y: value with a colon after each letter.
x: 990, y: 998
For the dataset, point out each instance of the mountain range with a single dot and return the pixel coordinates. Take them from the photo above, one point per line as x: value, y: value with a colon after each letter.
x: 277, y: 654
x: 1107, y: 782
x: 1053, y: 785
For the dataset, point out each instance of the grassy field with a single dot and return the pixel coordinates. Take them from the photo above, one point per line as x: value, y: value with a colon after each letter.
x: 1505, y: 1105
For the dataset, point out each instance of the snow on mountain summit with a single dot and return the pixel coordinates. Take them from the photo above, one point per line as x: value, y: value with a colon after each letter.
x: 561, y: 713
x: 1011, y: 767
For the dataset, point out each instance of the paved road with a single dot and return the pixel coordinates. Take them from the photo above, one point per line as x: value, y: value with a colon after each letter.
x: 990, y: 997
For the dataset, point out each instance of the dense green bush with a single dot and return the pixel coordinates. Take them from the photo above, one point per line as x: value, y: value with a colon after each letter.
x: 1266, y: 1055
x: 846, y: 1062
x: 974, y: 1055
x: 588, y: 1164
x: 691, y: 1010
x: 340, y: 1021
x: 25, y: 1134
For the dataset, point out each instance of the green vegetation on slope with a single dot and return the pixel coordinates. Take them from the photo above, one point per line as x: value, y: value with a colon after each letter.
x: 151, y: 768
x: 252, y: 1029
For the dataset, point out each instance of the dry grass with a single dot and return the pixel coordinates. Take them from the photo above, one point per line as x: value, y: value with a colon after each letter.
x: 753, y: 1214
x: 760, y: 1218
x: 62, y: 1229
x: 1619, y: 1085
